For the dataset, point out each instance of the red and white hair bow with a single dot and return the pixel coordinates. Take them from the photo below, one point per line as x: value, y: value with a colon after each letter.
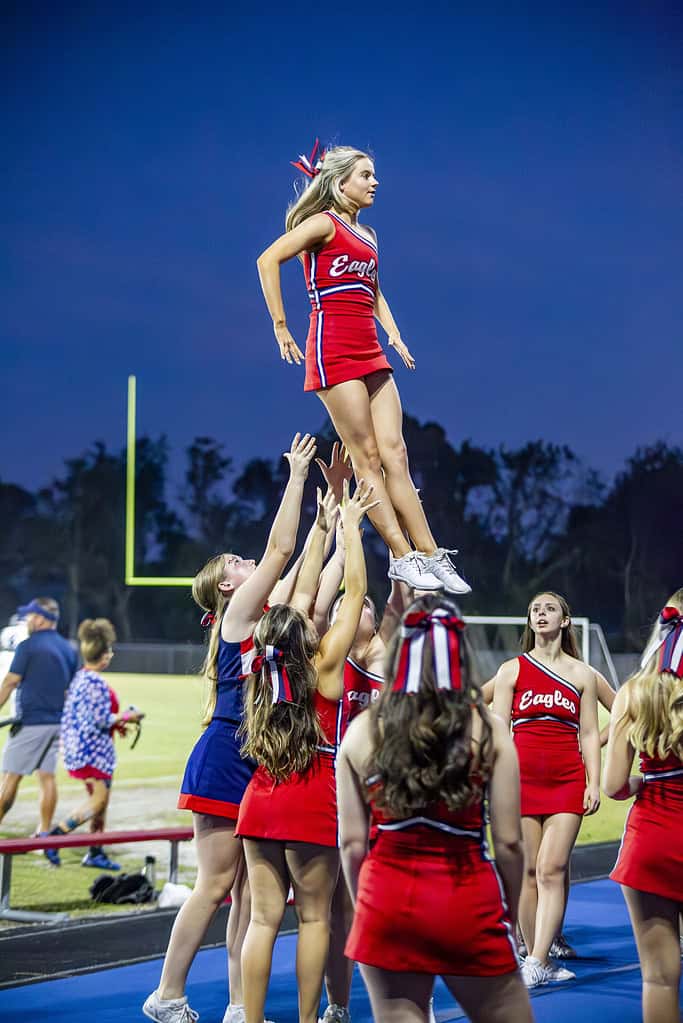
x: 668, y: 641
x: 445, y: 631
x: 273, y: 660
x: 313, y: 164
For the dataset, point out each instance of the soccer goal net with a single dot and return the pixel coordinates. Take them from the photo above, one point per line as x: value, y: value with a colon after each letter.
x: 495, y: 639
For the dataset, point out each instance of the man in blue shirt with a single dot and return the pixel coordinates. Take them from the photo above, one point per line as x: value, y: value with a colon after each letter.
x: 40, y: 672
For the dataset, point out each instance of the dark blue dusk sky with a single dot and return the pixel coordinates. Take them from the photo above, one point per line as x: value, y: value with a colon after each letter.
x: 530, y: 217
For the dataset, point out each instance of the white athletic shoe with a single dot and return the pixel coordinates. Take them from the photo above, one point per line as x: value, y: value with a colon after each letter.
x: 411, y: 570
x: 561, y: 949
x: 335, y: 1014
x: 534, y: 973
x: 235, y: 1014
x: 169, y: 1010
x: 440, y: 564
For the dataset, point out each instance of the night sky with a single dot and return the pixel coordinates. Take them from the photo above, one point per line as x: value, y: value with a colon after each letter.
x: 529, y: 215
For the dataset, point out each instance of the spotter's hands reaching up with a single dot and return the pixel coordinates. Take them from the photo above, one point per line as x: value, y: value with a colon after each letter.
x: 300, y: 455
x: 352, y: 510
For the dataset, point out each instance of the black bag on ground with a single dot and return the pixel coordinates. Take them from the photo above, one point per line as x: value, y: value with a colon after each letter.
x: 123, y: 888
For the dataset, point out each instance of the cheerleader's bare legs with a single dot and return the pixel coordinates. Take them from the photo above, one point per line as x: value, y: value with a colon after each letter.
x: 655, y: 926
x: 368, y: 417
x: 404, y: 997
x: 219, y: 855
x: 312, y: 870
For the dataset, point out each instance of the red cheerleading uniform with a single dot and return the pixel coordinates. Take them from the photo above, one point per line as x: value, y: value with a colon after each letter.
x: 361, y: 689
x: 545, y: 728
x: 430, y: 899
x: 303, y: 807
x: 651, y: 854
x: 341, y: 278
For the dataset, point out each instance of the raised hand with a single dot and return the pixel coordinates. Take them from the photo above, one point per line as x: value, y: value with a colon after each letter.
x: 352, y: 510
x: 327, y: 510
x: 338, y: 470
x: 300, y: 455
x: 401, y: 349
x: 289, y: 349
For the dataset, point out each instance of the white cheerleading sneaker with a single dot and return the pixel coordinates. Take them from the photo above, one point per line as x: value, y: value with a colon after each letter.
x: 235, y: 1014
x: 335, y: 1014
x: 169, y: 1010
x: 411, y: 569
x: 561, y: 949
x: 534, y: 973
x: 440, y: 564
x: 559, y: 974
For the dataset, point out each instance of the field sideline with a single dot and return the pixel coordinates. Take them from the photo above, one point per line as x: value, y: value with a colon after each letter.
x: 145, y: 790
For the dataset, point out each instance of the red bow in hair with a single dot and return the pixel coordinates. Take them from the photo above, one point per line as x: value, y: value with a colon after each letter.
x: 311, y: 165
x: 668, y: 641
x: 445, y: 631
x: 273, y: 660
x: 669, y: 615
x: 207, y: 620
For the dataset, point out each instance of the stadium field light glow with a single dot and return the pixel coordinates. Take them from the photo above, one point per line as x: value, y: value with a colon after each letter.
x: 130, y: 577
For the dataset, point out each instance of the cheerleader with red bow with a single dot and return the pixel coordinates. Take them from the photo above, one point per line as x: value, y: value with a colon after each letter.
x: 647, y: 719
x: 344, y: 361
x: 288, y: 816
x: 232, y: 591
x: 412, y: 778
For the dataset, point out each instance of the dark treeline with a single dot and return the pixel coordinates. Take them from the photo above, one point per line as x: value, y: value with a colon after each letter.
x: 524, y: 519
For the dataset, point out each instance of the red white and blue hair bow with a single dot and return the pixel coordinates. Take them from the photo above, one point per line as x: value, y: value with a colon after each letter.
x: 445, y: 631
x: 273, y: 660
x: 311, y: 165
x: 207, y: 620
x: 668, y: 641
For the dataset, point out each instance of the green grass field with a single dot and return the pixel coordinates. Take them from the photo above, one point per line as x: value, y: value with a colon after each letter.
x: 144, y: 794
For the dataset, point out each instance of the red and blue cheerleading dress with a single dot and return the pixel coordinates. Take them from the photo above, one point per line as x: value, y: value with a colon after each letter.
x: 545, y: 728
x: 361, y: 689
x: 216, y: 775
x: 651, y: 854
x: 341, y: 278
x: 303, y: 807
x: 430, y: 899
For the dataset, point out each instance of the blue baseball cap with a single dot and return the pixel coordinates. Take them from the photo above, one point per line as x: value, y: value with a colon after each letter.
x: 34, y: 608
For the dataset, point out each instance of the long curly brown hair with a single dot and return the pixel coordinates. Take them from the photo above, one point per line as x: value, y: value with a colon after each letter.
x: 422, y: 741
x: 282, y: 737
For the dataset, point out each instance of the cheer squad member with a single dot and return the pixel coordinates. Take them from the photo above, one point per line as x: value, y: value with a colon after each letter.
x: 233, y: 593
x: 550, y: 696
x: 288, y: 818
x: 90, y: 718
x: 560, y: 948
x: 412, y: 777
x: 363, y: 683
x: 647, y: 719
x: 345, y: 364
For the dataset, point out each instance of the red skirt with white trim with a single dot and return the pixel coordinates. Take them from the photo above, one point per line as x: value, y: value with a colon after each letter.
x: 303, y: 808
x: 651, y: 854
x: 341, y: 347
x: 432, y: 904
x: 551, y: 770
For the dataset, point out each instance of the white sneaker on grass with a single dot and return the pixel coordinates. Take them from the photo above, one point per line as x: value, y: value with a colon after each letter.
x: 411, y: 570
x: 169, y: 1010
x: 440, y: 564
